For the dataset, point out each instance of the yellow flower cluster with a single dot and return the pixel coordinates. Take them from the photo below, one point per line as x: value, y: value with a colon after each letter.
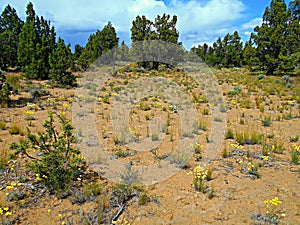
x: 125, y: 223
x: 38, y: 177
x: 13, y: 185
x: 28, y: 112
x: 265, y: 158
x: 296, y: 147
x: 66, y: 106
x: 200, y: 173
x: 272, y: 203
x: 5, y: 211
x: 291, y: 102
x: 250, y: 166
x: 135, y: 131
x: 236, y: 146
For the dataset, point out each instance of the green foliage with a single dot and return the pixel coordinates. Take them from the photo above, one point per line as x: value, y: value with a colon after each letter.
x: 295, y: 157
x: 98, y: 44
x: 162, y: 29
x: 10, y: 29
x: 266, y: 121
x: 227, y: 52
x: 93, y: 189
x: 36, y: 41
x: 2, y: 125
x: 276, y: 39
x: 229, y: 134
x: 4, y: 90
x: 15, y: 130
x: 60, y: 63
x: 58, y: 159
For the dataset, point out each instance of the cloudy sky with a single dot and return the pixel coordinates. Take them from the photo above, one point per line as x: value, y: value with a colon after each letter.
x: 199, y: 21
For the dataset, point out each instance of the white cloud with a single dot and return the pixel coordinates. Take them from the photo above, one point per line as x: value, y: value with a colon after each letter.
x: 198, y: 20
x: 251, y: 24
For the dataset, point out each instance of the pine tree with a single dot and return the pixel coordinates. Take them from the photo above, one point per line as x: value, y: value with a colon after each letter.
x: 36, y: 42
x: 27, y: 44
x: 78, y: 49
x: 98, y: 44
x: 270, y: 37
x: 249, y: 53
x: 60, y: 62
x: 10, y: 29
x: 162, y: 29
x: 233, y: 49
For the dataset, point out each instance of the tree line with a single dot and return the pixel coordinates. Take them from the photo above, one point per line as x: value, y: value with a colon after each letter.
x: 273, y: 47
x: 32, y: 45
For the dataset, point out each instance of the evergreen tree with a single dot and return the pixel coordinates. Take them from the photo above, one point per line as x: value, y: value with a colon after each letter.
x: 249, y: 53
x: 27, y: 44
x: 98, y: 44
x: 162, y: 29
x: 274, y: 51
x: 233, y: 49
x: 36, y: 42
x: 78, y: 51
x: 10, y: 29
x: 60, y: 62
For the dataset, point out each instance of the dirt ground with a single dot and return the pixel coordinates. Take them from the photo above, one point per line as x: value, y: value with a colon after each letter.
x: 263, y: 114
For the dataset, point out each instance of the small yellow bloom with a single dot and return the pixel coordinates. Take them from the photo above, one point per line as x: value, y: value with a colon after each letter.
x: 6, y: 194
x: 265, y: 158
x: 9, y: 187
x: 8, y: 213
x: 6, y: 208
x: 63, y: 223
x: 1, y: 211
x: 114, y: 222
x: 49, y: 210
x: 19, y: 184
x: 79, y: 179
x: 60, y: 215
x: 189, y: 173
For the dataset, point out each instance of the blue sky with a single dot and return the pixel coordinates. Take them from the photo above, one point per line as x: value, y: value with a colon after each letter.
x: 199, y: 21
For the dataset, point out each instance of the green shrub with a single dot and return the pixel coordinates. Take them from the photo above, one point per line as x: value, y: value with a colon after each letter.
x: 2, y: 125
x: 229, y: 134
x: 4, y: 90
x: 58, y: 163
x: 266, y: 121
x: 295, y: 157
x: 15, y: 129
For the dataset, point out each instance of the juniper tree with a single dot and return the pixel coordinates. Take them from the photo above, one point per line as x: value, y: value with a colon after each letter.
x: 10, y: 29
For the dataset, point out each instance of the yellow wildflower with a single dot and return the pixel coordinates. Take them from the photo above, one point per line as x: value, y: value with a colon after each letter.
x: 49, y: 210
x: 1, y: 211
x: 265, y: 158
x: 60, y: 215
x: 6, y: 208
x: 8, y: 213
